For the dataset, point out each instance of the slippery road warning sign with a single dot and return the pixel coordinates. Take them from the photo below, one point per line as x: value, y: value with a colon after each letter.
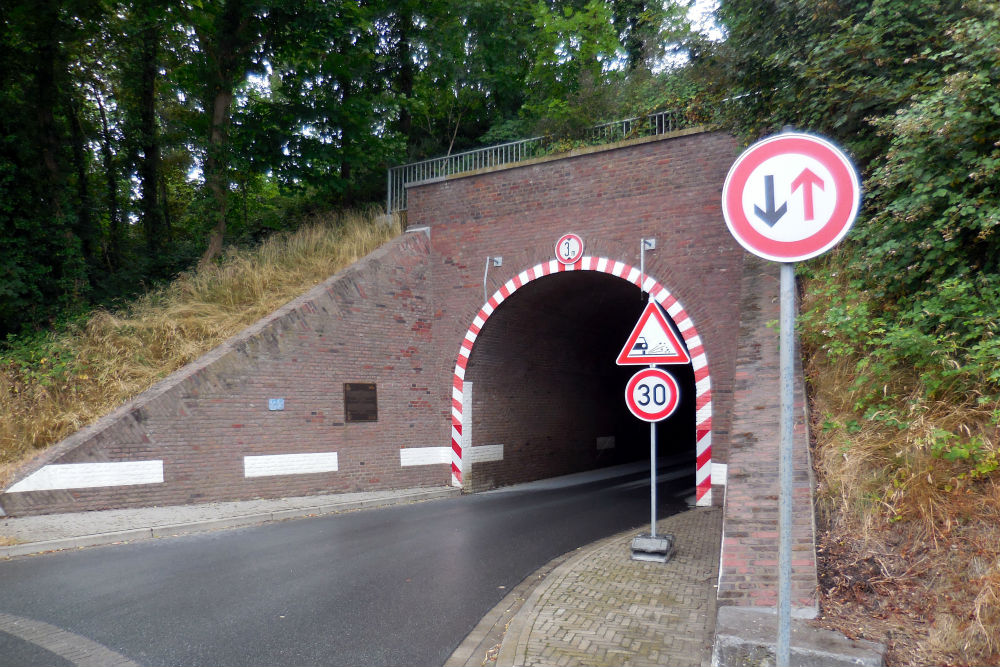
x: 653, y: 341
x: 790, y: 197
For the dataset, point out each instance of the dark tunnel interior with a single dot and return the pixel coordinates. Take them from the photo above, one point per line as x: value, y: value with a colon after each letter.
x: 545, y: 384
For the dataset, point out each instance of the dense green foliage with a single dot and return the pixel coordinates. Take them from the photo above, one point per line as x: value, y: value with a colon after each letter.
x: 139, y: 135
x: 913, y: 91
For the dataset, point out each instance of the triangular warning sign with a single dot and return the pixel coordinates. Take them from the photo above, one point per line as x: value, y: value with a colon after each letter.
x: 653, y: 341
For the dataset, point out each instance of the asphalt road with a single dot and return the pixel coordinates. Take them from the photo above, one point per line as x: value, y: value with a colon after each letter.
x: 396, y: 586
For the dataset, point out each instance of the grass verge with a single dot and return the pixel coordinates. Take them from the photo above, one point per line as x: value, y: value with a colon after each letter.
x: 908, y: 505
x: 52, y: 384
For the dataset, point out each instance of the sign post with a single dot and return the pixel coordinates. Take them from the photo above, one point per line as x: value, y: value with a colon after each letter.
x: 788, y: 198
x: 652, y: 395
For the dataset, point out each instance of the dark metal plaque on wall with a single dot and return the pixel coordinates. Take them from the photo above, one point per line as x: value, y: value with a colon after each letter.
x: 360, y: 402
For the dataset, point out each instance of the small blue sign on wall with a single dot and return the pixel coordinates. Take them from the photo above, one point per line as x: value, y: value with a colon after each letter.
x: 275, y: 404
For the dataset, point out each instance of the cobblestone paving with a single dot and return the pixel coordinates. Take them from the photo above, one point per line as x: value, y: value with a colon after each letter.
x: 602, y: 608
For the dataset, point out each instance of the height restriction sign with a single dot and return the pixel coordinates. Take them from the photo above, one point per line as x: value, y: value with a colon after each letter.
x: 790, y: 197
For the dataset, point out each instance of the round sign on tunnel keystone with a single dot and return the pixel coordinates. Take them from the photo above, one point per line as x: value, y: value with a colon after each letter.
x: 569, y: 248
x: 652, y: 394
x: 790, y: 197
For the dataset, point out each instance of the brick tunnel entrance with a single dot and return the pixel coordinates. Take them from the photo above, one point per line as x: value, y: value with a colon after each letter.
x: 542, y: 395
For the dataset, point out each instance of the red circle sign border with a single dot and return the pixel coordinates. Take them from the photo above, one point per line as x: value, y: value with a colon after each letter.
x: 568, y: 262
x: 845, y: 210
x: 675, y: 395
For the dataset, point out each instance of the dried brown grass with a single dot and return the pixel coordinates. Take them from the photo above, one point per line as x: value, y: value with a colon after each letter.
x: 911, y: 546
x: 117, y: 355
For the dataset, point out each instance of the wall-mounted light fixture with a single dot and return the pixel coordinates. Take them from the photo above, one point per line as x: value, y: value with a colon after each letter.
x: 495, y: 261
x: 644, y: 245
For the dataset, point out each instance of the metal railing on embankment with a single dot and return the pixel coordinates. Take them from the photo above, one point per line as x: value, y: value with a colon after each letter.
x: 400, y: 177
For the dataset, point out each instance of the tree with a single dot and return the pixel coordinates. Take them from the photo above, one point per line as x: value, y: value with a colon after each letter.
x: 44, y: 194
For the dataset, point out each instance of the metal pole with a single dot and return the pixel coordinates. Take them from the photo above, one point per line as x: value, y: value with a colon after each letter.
x: 652, y: 479
x: 642, y: 265
x: 486, y: 273
x: 388, y: 191
x: 787, y: 373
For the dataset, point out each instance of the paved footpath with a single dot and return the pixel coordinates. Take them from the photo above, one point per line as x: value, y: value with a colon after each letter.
x: 597, y: 606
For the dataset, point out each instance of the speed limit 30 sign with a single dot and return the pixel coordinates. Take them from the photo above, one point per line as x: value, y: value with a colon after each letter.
x: 652, y: 394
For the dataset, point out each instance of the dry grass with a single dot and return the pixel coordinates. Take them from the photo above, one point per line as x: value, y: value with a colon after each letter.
x: 115, y: 356
x: 910, y: 551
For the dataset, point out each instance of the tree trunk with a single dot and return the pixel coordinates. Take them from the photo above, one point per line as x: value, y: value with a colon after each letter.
x: 405, y: 75
x: 149, y: 168
x: 85, y: 229
x: 227, y: 49
x: 215, y: 174
x: 45, y: 100
x: 114, y: 248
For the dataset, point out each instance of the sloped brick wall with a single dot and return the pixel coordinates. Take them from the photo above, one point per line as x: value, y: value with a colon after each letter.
x: 369, y: 323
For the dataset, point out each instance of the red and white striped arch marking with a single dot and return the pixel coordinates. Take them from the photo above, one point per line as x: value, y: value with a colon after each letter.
x: 703, y: 387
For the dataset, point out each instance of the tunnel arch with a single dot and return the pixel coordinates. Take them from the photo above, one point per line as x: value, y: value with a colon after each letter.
x: 673, y: 307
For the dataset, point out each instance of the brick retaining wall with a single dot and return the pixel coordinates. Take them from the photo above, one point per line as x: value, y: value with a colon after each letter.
x: 749, y: 571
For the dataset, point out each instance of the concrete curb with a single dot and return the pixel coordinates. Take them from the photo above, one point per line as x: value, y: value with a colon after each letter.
x: 746, y: 636
x: 205, y: 525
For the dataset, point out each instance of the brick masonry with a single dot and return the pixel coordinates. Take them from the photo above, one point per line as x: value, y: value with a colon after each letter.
x: 668, y: 189
x: 369, y: 323
x: 749, y: 569
x: 542, y: 394
x: 544, y: 389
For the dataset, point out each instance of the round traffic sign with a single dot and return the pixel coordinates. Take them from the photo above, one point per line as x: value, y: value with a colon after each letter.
x: 652, y: 394
x: 569, y: 248
x: 790, y: 197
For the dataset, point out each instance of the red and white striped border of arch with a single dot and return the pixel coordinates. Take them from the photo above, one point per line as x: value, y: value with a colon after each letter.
x: 699, y: 362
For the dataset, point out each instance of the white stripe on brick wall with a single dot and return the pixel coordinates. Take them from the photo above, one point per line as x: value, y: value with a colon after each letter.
x: 484, y: 453
x: 91, y: 475
x: 719, y: 472
x: 425, y: 456
x: 269, y: 465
